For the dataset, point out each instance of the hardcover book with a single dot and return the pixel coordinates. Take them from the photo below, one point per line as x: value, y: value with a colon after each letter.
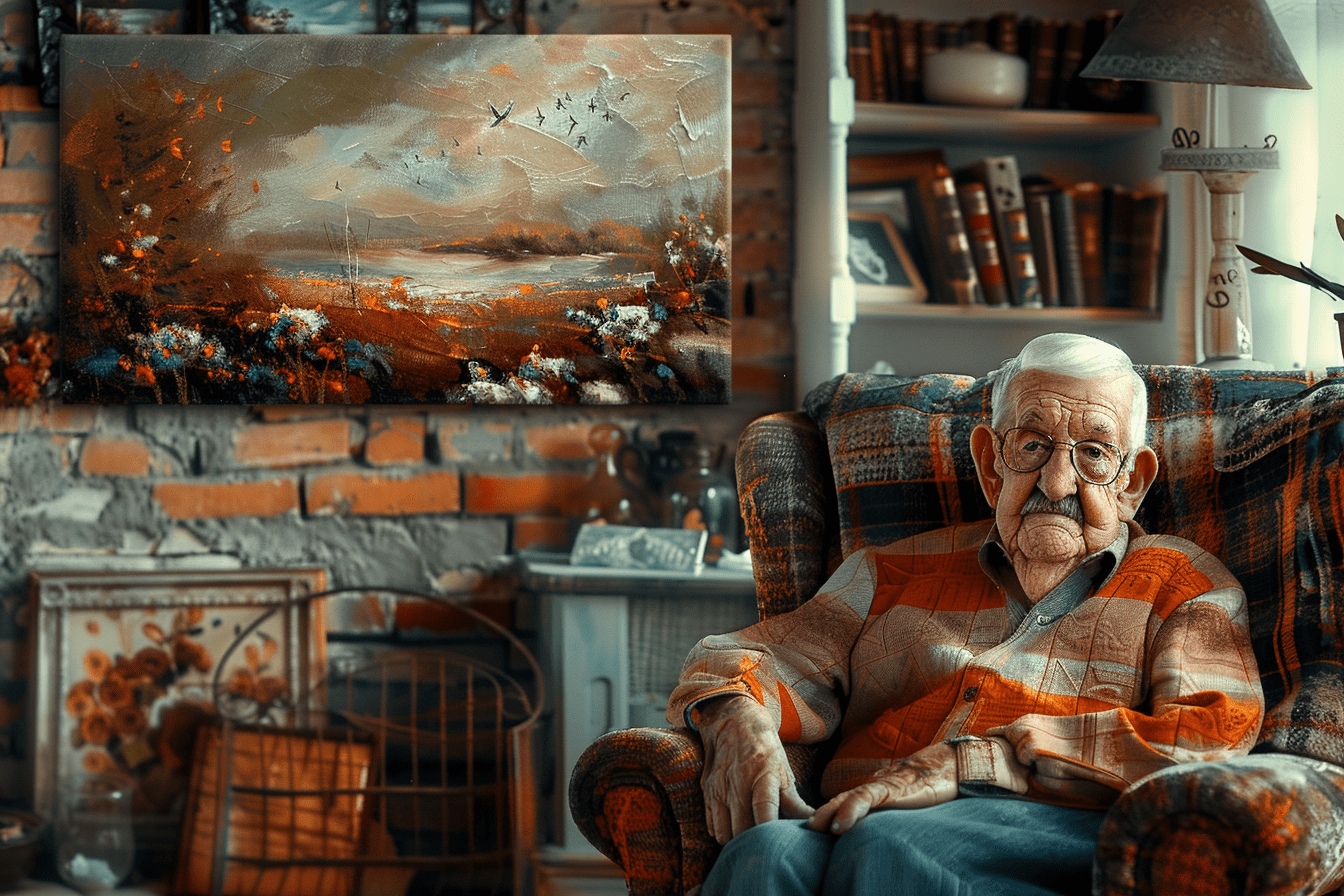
x: 1003, y: 184
x: 979, y: 221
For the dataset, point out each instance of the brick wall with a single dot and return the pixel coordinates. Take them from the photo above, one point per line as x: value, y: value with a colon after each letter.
x: 394, y: 496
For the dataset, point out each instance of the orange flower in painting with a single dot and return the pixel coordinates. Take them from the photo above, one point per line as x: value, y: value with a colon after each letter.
x: 115, y: 692
x: 96, y: 664
x: 129, y: 720
x: 240, y: 683
x: 154, y: 662
x: 80, y: 699
x: 98, y: 762
x: 96, y: 728
x: 189, y: 654
x: 153, y: 632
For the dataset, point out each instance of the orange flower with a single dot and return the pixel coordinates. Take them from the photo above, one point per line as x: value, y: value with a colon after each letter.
x: 96, y: 728
x: 129, y: 721
x: 99, y: 762
x: 115, y: 692
x: 189, y: 654
x: 153, y: 632
x: 80, y: 699
x: 154, y: 662
x: 240, y: 683
x: 271, y: 689
x: 96, y: 664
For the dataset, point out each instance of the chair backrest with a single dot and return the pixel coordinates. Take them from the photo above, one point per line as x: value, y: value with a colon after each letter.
x: 1249, y: 471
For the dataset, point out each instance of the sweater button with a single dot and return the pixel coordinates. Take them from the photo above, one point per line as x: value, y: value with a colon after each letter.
x: 970, y: 693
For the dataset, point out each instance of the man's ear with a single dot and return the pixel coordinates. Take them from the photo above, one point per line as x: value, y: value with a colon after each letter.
x: 1140, y: 478
x: 984, y: 454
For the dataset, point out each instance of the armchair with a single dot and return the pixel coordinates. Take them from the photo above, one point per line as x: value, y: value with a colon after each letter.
x: 1250, y: 470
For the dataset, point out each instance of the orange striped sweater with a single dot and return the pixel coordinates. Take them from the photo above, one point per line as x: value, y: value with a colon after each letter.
x: 1140, y: 660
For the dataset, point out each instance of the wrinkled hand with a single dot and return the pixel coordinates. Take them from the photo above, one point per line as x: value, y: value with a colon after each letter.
x: 747, y: 779
x: 925, y: 778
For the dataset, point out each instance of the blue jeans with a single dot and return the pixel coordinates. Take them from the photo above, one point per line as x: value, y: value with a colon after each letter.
x: 966, y: 847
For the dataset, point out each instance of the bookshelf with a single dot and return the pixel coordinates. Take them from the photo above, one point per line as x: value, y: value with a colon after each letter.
x: 836, y: 332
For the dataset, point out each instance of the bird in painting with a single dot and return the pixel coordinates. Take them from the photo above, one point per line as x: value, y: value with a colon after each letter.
x: 500, y: 116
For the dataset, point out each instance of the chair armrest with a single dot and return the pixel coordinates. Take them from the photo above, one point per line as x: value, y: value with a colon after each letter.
x: 1268, y: 823
x: 787, y: 495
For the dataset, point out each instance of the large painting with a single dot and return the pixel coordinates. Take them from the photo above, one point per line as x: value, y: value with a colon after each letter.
x: 395, y: 218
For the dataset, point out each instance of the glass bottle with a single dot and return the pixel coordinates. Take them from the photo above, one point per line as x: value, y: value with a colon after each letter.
x: 611, y: 495
x: 95, y: 840
x: 703, y: 497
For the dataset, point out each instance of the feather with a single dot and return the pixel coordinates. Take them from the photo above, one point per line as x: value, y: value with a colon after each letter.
x: 1330, y: 286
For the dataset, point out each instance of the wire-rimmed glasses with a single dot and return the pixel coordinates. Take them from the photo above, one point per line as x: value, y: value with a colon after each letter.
x: 1026, y: 451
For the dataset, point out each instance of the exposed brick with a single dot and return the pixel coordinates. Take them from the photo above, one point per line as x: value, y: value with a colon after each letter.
x: 761, y: 254
x: 281, y: 413
x: 562, y: 441
x: 219, y: 500
x: 19, y: 97
x: 114, y: 456
x: 465, y: 440
x: 31, y: 185
x: 29, y: 228
x: 761, y: 171
x: 30, y: 139
x: 293, y: 444
x: 756, y: 212
x: 370, y: 494
x: 546, y: 533
x: 748, y: 132
x: 501, y: 493
x: 755, y: 87
x: 395, y: 440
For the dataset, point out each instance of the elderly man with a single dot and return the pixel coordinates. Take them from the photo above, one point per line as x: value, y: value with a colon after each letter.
x: 994, y: 686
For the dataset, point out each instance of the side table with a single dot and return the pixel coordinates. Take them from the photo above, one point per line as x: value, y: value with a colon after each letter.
x: 613, y: 642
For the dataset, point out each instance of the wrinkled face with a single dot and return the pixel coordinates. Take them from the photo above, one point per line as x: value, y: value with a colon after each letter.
x: 1067, y: 410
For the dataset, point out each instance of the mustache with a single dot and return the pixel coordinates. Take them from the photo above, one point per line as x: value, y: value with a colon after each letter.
x: 1070, y: 506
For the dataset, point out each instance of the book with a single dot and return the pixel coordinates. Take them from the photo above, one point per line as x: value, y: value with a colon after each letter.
x: 911, y: 60
x: 1036, y: 195
x: 1104, y: 94
x: 1003, y: 185
x: 1040, y: 46
x: 1002, y: 32
x: 1071, y: 37
x: 955, y: 244
x: 877, y: 53
x: 1117, y: 242
x: 1087, y: 212
x: 979, y: 220
x: 860, y: 56
x: 891, y: 56
x: 1145, y: 288
x: 1068, y: 261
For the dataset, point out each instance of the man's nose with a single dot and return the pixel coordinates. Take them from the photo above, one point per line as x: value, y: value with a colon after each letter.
x: 1058, y: 478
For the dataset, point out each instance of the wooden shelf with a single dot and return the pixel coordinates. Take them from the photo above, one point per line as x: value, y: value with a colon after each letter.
x: 964, y: 124
x: 999, y: 314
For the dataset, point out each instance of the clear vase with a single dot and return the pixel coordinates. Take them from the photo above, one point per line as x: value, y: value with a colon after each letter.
x: 704, y: 497
x: 94, y: 838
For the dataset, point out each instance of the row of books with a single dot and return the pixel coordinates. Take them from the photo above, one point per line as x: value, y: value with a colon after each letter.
x: 988, y: 236
x: 886, y: 57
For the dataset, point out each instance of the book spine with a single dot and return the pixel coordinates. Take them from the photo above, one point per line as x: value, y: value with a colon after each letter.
x: 1066, y: 249
x: 979, y: 221
x: 891, y: 54
x: 1070, y: 61
x: 1146, y: 263
x: 911, y: 62
x: 928, y: 44
x: 961, y: 273
x: 877, y: 52
x: 1043, y: 62
x: 1003, y: 32
x: 1003, y: 184
x: 860, y: 57
x: 1118, y: 243
x: 1043, y: 244
x: 1087, y: 215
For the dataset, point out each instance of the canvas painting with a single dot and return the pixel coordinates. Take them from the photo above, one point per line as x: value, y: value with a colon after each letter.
x: 502, y: 219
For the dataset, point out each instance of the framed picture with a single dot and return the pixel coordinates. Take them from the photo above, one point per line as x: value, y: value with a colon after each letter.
x: 901, y: 184
x: 309, y: 16
x: 637, y: 547
x: 883, y: 271
x: 127, y: 667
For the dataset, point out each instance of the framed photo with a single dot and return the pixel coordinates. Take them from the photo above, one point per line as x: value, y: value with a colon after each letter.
x: 637, y: 547
x: 901, y: 184
x: 882, y: 268
x: 128, y: 665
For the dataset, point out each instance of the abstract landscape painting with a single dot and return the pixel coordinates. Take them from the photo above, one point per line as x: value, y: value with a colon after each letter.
x: 499, y: 219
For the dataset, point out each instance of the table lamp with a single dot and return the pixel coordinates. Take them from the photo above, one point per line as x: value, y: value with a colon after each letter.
x: 1209, y: 42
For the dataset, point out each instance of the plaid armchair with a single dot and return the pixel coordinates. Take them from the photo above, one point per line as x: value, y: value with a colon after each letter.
x: 1250, y: 471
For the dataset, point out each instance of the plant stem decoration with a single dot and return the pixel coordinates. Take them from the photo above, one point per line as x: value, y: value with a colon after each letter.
x: 1301, y: 273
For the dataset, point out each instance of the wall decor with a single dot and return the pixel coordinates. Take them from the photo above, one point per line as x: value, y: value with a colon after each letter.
x: 501, y: 219
x: 128, y: 665
x: 883, y: 271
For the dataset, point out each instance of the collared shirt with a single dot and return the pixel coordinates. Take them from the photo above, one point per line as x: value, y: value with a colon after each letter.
x: 1140, y: 659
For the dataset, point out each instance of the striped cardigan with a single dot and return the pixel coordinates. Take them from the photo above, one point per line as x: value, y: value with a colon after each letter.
x: 1139, y: 661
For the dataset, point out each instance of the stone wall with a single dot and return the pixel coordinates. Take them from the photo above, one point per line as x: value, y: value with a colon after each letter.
x: 395, y: 496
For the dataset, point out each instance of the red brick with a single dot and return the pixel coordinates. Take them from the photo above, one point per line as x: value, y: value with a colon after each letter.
x: 564, y: 441
x: 464, y: 440
x: 30, y: 139
x: 283, y: 413
x: 541, y: 493
x: 219, y: 500
x: 29, y: 228
x: 19, y: 97
x: 761, y: 171
x: 546, y: 533
x: 293, y: 444
x: 755, y: 88
x: 368, y: 494
x: 395, y: 440
x: 32, y: 185
x: 110, y: 456
x: 760, y: 254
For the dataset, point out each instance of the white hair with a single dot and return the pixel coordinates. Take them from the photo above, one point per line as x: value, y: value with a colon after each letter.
x: 1081, y: 357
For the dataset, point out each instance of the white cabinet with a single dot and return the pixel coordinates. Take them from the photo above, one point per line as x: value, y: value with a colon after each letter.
x: 832, y: 337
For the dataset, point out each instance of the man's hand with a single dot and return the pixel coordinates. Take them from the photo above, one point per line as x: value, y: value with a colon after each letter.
x: 925, y: 778
x: 747, y: 779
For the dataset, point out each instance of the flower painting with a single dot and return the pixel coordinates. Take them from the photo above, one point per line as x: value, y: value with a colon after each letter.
x: 503, y: 219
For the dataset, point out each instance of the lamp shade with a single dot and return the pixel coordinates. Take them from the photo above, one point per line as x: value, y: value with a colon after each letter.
x: 1198, y: 41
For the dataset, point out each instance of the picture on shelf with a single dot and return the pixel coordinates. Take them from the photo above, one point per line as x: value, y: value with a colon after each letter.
x: 883, y: 271
x: 901, y: 184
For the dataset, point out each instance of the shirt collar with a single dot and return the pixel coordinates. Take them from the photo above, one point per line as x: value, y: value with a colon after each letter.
x: 1095, y: 570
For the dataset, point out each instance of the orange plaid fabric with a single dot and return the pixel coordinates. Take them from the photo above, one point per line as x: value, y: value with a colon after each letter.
x: 1139, y: 661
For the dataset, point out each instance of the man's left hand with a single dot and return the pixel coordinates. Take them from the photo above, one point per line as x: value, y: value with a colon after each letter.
x: 925, y: 778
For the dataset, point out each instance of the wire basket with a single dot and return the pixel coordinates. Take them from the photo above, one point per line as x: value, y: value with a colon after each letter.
x: 413, y: 773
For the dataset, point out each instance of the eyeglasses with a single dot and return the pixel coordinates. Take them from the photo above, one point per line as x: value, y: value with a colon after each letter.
x: 1026, y: 451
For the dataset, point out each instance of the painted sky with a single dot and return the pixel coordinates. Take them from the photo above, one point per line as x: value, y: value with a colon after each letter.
x: 399, y: 131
